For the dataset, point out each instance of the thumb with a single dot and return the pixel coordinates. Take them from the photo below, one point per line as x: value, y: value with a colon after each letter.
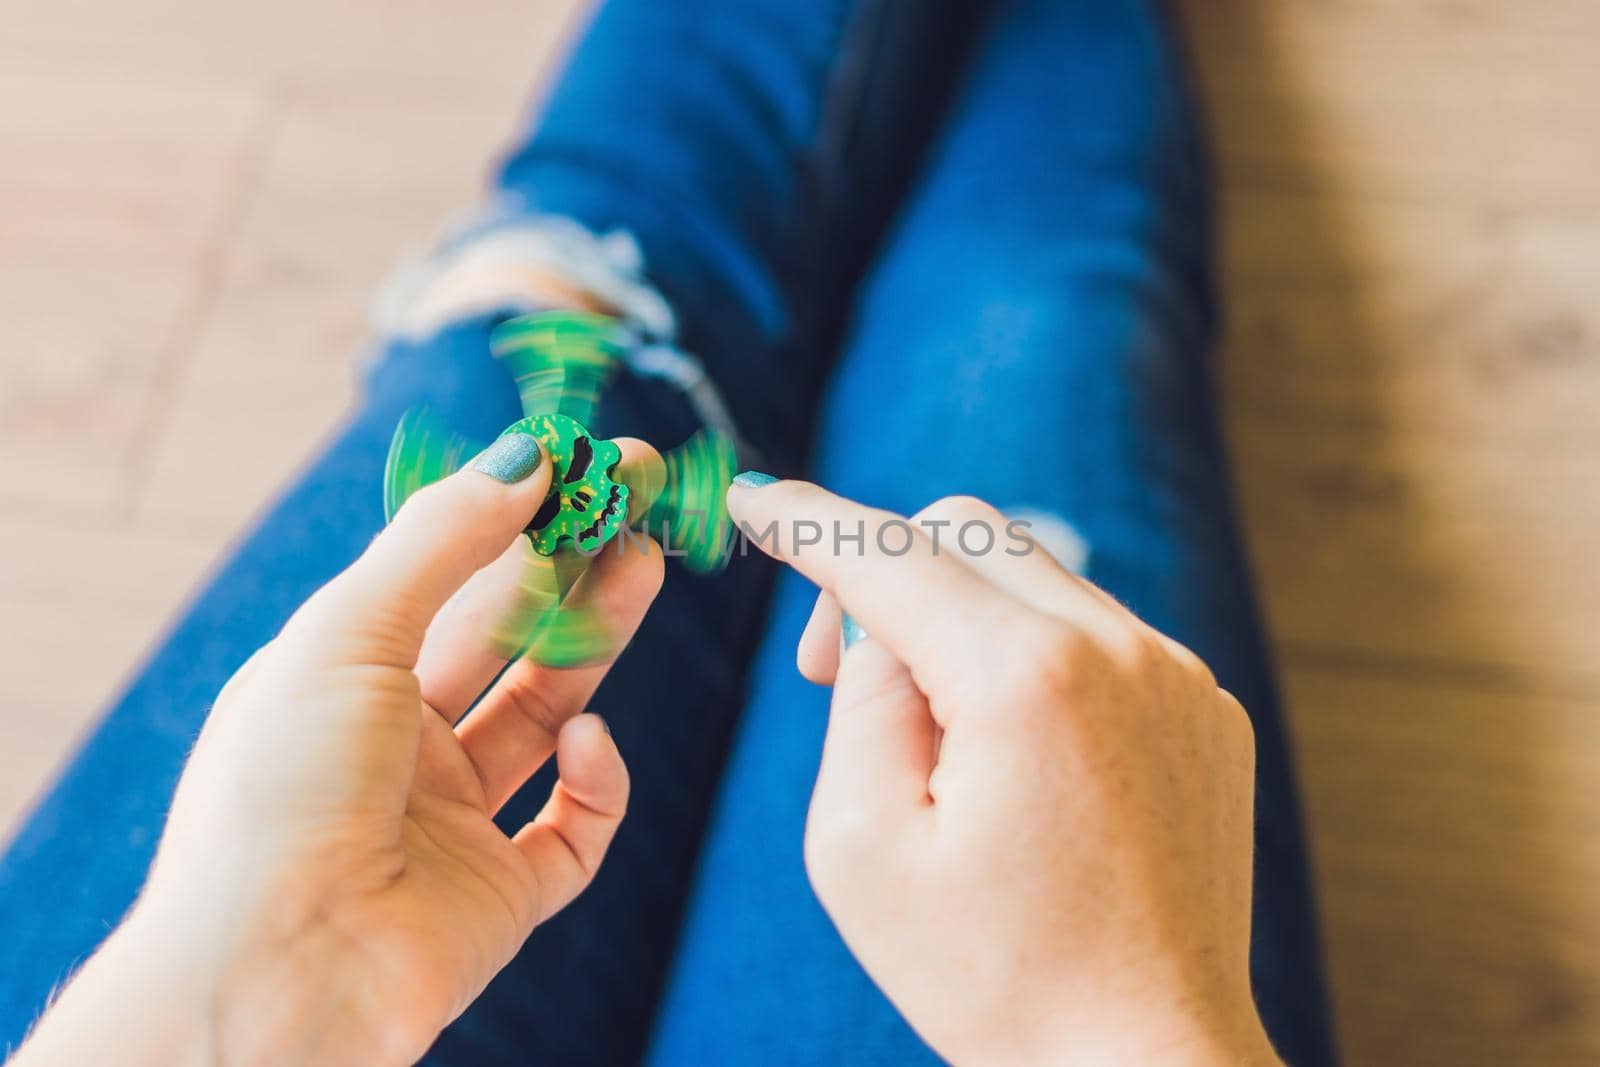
x: 879, y: 751
x: 378, y: 610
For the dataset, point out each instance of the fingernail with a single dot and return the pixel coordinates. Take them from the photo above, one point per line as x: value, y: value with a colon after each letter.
x: 510, y: 459
x: 604, y: 725
x: 850, y: 632
x: 752, y: 479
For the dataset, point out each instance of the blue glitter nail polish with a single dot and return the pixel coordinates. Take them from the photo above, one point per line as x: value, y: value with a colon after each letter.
x: 510, y: 459
x: 753, y: 479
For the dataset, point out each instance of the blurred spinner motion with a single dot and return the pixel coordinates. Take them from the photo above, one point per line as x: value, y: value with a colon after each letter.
x: 562, y: 362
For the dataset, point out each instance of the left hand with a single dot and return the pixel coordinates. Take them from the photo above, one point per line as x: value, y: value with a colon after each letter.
x: 331, y: 886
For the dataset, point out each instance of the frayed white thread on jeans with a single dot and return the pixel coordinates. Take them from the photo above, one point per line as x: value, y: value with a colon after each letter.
x: 609, y: 268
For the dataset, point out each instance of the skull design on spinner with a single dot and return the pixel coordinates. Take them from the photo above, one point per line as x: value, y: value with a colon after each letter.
x: 586, y: 505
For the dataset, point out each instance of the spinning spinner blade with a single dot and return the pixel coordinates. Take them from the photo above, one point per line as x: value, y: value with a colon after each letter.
x: 690, y: 514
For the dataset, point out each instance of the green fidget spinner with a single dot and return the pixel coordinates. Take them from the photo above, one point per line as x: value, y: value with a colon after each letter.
x: 586, y: 505
x: 562, y: 362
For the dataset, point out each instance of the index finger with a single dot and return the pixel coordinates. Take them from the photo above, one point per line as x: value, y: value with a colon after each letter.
x: 927, y: 607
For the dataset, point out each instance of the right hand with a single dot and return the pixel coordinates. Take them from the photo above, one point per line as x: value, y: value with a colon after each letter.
x: 1032, y: 821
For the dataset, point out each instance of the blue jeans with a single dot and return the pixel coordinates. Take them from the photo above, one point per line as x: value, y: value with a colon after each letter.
x: 924, y: 247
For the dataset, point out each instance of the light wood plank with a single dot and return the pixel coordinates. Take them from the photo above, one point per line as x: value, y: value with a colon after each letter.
x: 1468, y: 102
x: 110, y: 191
x: 1475, y: 322
x: 497, y: 43
x: 1457, y: 843
x: 353, y: 184
x: 1435, y: 549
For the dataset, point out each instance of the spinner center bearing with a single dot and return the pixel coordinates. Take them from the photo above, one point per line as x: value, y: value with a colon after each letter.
x: 587, y: 505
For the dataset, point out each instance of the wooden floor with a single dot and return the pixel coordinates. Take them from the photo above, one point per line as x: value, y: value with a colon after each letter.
x: 196, y: 201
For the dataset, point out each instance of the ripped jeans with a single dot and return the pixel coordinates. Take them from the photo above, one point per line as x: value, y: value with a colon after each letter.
x: 921, y: 247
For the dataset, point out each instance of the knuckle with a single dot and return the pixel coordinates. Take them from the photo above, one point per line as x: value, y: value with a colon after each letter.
x: 624, y: 793
x: 625, y: 576
x: 1241, y: 730
x: 524, y: 696
x: 877, y: 519
x: 961, y: 506
x: 837, y: 840
x: 1130, y: 651
x: 818, y: 855
x: 1051, y: 641
x: 391, y: 631
x: 875, y: 681
x: 1140, y: 655
x: 950, y: 522
x: 1048, y: 658
x: 656, y: 565
x: 1190, y: 664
